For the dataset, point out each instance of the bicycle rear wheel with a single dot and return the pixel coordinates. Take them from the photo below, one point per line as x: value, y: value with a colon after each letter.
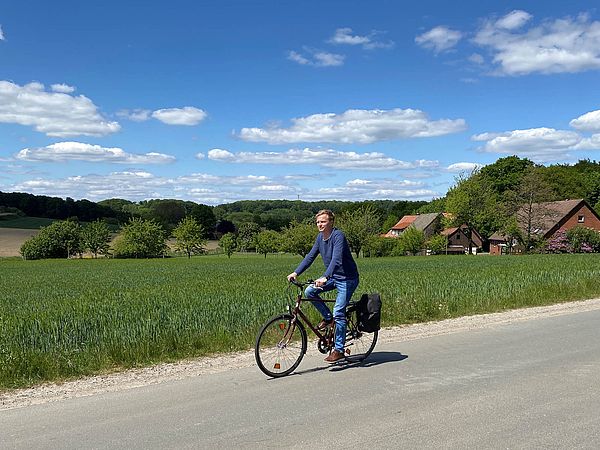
x: 359, y: 344
x: 280, y: 346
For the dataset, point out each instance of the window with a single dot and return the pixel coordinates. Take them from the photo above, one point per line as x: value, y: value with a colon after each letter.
x: 581, y: 219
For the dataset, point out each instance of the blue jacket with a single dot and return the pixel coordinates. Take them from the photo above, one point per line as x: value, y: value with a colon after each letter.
x: 336, y: 255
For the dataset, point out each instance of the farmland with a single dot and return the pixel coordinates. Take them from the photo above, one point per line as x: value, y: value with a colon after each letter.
x: 67, y: 318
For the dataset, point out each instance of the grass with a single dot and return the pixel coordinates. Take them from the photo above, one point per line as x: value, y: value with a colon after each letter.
x: 67, y: 318
x: 29, y: 223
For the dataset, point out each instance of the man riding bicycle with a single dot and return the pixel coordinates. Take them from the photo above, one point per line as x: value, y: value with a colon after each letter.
x: 341, y: 273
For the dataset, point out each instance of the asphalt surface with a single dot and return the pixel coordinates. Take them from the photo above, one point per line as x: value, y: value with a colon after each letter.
x: 531, y: 384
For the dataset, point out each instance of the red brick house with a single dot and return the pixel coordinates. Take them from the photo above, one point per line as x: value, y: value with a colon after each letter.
x: 552, y: 217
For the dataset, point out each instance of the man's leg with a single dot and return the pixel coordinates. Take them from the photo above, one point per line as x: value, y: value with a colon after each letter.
x: 345, y: 289
x: 313, y: 292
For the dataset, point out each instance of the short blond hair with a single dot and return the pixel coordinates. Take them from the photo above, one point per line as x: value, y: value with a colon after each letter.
x: 326, y: 212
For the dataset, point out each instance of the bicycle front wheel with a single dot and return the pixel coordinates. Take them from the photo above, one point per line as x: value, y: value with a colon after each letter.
x: 280, y: 346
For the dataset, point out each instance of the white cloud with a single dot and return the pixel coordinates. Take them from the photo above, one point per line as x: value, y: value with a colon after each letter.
x: 439, y: 39
x: 53, y: 113
x: 383, y: 188
x: 356, y: 126
x: 587, y: 122
x: 316, y: 58
x: 218, y: 154
x: 558, y: 46
x: 63, y: 88
x: 135, y: 115
x: 538, y: 144
x: 513, y: 20
x: 78, y: 151
x: 2, y: 38
x: 188, y: 115
x: 321, y: 157
x: 205, y: 188
x: 344, y: 36
x: 591, y: 143
x: 463, y: 167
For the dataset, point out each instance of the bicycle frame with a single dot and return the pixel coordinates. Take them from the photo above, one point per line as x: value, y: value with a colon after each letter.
x: 298, y: 314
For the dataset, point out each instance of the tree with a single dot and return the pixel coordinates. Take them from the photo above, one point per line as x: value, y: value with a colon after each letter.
x: 189, y: 236
x: 298, y: 238
x: 378, y: 246
x: 223, y: 227
x: 140, y: 238
x: 228, y: 244
x: 526, y: 205
x: 472, y: 202
x: 95, y: 237
x: 512, y: 232
x: 437, y: 244
x: 267, y: 241
x: 359, y: 225
x: 61, y: 239
x: 506, y: 173
x: 246, y: 235
x: 412, y: 241
x: 205, y: 216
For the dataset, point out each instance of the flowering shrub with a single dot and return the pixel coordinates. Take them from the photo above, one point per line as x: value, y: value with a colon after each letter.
x: 576, y: 240
x: 559, y: 243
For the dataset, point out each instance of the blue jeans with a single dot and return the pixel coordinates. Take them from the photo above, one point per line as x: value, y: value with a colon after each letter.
x: 345, y: 289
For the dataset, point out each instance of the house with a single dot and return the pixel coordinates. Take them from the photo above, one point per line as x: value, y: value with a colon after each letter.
x: 458, y: 240
x: 429, y: 224
x: 545, y: 219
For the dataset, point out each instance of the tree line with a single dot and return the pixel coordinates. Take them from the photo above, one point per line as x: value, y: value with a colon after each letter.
x: 492, y: 199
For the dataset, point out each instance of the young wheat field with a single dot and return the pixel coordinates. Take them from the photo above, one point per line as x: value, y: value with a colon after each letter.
x: 67, y: 318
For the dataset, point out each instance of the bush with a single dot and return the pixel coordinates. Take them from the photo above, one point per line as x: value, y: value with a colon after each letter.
x: 584, y: 240
x: 559, y: 243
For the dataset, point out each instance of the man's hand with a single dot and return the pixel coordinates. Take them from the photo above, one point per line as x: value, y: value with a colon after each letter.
x: 319, y: 282
x: 292, y: 276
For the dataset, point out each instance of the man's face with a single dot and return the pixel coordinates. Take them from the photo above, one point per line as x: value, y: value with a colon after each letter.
x: 324, y: 223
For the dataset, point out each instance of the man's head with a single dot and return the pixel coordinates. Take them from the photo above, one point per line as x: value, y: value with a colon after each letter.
x: 325, y: 219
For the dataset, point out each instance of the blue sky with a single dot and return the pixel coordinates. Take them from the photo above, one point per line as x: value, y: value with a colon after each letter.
x: 218, y: 101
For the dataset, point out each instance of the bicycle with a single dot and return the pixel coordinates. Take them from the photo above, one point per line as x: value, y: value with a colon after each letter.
x: 282, y: 341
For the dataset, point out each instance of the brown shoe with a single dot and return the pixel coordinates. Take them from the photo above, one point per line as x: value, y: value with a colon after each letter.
x: 334, y: 356
x: 324, y: 324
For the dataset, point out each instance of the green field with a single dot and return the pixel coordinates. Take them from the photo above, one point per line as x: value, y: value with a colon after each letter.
x: 30, y: 223
x: 67, y: 318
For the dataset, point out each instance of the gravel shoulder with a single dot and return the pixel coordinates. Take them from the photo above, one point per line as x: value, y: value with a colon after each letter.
x: 161, y: 373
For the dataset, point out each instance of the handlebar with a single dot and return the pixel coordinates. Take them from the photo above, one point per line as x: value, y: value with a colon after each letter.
x: 301, y: 284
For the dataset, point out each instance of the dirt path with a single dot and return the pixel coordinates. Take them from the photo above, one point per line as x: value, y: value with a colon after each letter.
x: 193, y: 368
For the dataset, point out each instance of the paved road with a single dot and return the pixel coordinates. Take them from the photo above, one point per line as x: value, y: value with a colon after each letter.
x: 533, y: 384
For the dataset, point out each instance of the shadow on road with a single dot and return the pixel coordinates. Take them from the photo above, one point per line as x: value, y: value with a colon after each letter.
x: 374, y: 359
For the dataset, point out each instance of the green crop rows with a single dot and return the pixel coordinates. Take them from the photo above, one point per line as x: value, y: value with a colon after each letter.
x: 62, y: 319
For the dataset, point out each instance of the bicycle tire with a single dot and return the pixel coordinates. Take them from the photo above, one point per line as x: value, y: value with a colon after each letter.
x: 277, y: 352
x: 359, y: 344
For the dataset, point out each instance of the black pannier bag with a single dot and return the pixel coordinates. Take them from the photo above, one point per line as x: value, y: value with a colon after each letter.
x: 368, y: 310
